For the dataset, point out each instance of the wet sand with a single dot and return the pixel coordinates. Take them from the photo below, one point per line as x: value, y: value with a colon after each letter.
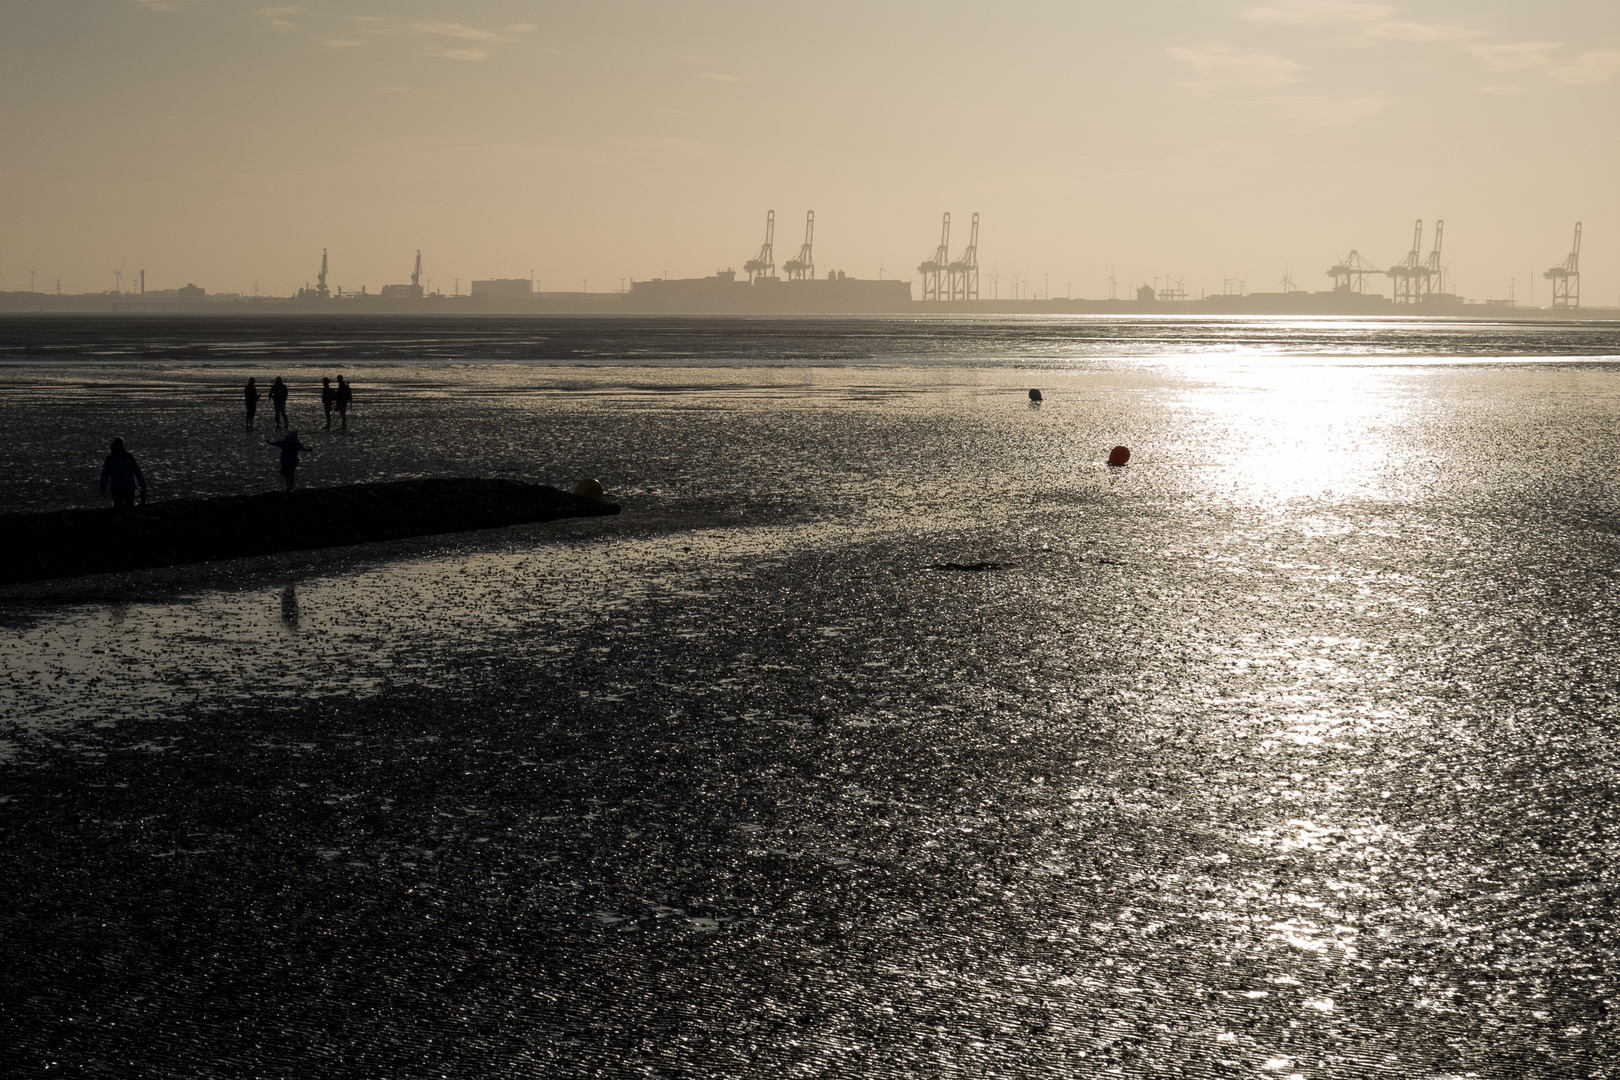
x: 1286, y: 750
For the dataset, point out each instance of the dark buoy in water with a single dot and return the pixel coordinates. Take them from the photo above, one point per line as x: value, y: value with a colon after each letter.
x: 1119, y: 455
x: 1035, y: 396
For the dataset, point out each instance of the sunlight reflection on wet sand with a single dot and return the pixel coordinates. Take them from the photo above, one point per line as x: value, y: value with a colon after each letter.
x: 1286, y: 750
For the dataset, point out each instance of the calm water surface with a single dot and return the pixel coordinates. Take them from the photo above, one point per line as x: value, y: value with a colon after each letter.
x: 1288, y: 750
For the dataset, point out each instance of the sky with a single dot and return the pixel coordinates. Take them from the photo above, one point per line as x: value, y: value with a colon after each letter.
x: 227, y: 143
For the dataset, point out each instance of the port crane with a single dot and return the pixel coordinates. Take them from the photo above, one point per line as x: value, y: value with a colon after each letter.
x: 1435, y: 279
x: 963, y: 274
x: 1350, y: 273
x: 1566, y: 276
x: 933, y: 271
x: 320, y: 279
x: 803, y: 265
x: 416, y: 275
x: 764, y: 264
x: 1414, y: 276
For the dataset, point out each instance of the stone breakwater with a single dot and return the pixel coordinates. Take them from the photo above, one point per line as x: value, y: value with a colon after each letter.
x: 68, y: 543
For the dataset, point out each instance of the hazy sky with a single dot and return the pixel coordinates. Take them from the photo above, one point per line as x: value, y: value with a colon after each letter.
x: 227, y: 143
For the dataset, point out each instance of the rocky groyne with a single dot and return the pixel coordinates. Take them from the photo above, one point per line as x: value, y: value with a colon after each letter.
x: 69, y: 543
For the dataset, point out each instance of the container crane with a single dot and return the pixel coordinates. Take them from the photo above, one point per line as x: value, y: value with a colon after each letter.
x: 1434, y: 280
x: 1410, y: 272
x: 320, y: 279
x: 964, y: 272
x: 1350, y: 274
x: 1566, y: 276
x: 764, y: 264
x: 803, y: 264
x: 934, y: 270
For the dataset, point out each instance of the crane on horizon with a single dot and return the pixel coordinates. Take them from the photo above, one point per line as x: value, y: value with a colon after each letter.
x: 934, y: 269
x: 803, y: 264
x: 1410, y: 271
x: 764, y: 264
x: 964, y: 272
x: 1434, y: 277
x: 1566, y: 276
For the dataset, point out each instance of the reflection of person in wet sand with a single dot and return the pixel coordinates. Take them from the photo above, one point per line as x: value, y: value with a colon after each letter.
x: 121, y: 473
x: 345, y: 397
x: 290, y: 449
x: 278, y: 398
x: 251, y: 395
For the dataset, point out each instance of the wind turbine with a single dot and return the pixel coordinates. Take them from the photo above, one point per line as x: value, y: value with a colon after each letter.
x: 118, y: 276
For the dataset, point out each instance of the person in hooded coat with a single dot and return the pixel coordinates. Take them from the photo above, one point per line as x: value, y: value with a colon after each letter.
x: 121, y: 473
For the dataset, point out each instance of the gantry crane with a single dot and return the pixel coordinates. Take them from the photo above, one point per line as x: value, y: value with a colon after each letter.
x: 934, y: 270
x: 1566, y: 276
x: 1434, y: 278
x: 1350, y: 274
x: 320, y: 279
x: 963, y: 274
x: 764, y: 264
x: 803, y: 265
x: 1410, y: 274
x: 416, y: 275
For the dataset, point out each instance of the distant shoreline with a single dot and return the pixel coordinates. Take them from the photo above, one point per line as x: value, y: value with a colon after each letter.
x: 616, y: 306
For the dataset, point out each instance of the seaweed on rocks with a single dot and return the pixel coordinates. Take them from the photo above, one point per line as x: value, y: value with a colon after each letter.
x: 68, y: 543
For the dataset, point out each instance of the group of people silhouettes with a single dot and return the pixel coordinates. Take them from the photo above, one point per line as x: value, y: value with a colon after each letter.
x: 340, y: 397
x: 121, y: 474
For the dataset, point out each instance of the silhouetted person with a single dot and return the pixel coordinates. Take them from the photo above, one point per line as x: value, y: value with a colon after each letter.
x: 278, y: 398
x: 345, y: 397
x: 251, y: 396
x: 290, y: 449
x: 121, y: 474
x: 328, y: 399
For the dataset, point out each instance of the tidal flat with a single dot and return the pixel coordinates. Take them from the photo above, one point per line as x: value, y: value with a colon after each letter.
x: 1287, y: 750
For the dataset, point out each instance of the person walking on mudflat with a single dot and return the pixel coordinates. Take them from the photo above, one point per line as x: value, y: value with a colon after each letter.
x: 328, y: 398
x: 290, y: 449
x: 345, y: 398
x: 121, y: 474
x: 278, y: 398
x: 251, y: 396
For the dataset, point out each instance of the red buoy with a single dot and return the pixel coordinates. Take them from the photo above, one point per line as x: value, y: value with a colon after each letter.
x: 1119, y: 455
